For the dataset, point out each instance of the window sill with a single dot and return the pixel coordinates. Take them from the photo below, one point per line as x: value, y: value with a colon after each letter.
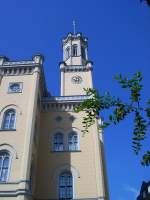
x: 66, y: 151
x: 9, y: 92
x: 7, y: 129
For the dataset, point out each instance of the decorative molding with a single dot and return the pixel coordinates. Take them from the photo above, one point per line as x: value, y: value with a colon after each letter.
x: 14, y: 182
x: 11, y: 150
x: 62, y: 103
x: 14, y: 193
x: 73, y: 98
x: 19, y: 63
x: 76, y: 68
x: 14, y: 68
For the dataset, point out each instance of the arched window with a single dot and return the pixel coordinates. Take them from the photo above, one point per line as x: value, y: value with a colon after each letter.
x: 73, y: 141
x: 83, y: 52
x: 9, y: 119
x: 65, y: 186
x: 75, y: 50
x: 4, y: 165
x: 67, y: 52
x: 58, y: 142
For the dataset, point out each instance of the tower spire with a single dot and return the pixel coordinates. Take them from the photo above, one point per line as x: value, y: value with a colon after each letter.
x: 74, y: 27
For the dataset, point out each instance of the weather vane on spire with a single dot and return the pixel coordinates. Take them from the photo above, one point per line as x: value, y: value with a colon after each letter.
x: 74, y: 27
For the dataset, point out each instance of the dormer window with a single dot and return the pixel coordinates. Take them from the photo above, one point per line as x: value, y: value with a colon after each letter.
x: 75, y: 50
x: 67, y: 52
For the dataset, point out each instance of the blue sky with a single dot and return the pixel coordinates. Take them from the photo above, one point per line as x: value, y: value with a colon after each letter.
x: 119, y: 42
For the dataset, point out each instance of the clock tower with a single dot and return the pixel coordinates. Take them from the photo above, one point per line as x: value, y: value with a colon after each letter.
x: 76, y: 69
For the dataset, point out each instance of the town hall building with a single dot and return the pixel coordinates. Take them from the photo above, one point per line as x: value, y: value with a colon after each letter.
x: 43, y: 153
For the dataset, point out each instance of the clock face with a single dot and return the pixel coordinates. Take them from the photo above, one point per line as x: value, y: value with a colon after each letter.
x: 76, y: 79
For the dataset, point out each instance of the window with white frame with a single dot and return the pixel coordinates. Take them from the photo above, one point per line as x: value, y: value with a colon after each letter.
x: 4, y: 165
x: 75, y: 50
x: 15, y: 87
x: 58, y: 143
x: 9, y: 119
x: 65, y: 186
x: 73, y: 143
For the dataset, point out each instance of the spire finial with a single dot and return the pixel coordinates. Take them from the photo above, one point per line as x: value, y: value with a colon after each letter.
x: 74, y: 27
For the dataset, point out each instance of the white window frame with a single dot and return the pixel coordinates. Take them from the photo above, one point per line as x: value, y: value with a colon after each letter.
x: 4, y: 118
x: 71, y: 133
x: 11, y: 91
x: 55, y: 134
x: 63, y: 172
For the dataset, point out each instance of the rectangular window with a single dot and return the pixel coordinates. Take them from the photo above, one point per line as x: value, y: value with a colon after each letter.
x: 15, y: 87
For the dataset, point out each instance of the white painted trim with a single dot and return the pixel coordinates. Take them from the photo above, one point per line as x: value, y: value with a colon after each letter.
x: 9, y: 148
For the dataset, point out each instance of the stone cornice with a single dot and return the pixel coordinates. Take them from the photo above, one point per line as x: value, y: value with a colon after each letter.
x: 13, y: 68
x: 19, y: 63
x: 76, y: 68
x: 15, y: 71
x: 62, y: 103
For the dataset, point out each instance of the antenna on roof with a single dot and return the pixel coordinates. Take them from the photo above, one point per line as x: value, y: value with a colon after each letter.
x: 74, y: 27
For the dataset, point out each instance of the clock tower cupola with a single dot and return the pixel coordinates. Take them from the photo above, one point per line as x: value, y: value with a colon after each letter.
x: 76, y: 69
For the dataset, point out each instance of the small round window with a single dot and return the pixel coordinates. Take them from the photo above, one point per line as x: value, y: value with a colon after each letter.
x: 76, y: 79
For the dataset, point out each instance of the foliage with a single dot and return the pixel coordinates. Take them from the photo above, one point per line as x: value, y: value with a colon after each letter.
x: 119, y: 109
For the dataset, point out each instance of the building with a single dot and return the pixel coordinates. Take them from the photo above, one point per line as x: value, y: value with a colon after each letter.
x: 43, y: 154
x: 145, y: 191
